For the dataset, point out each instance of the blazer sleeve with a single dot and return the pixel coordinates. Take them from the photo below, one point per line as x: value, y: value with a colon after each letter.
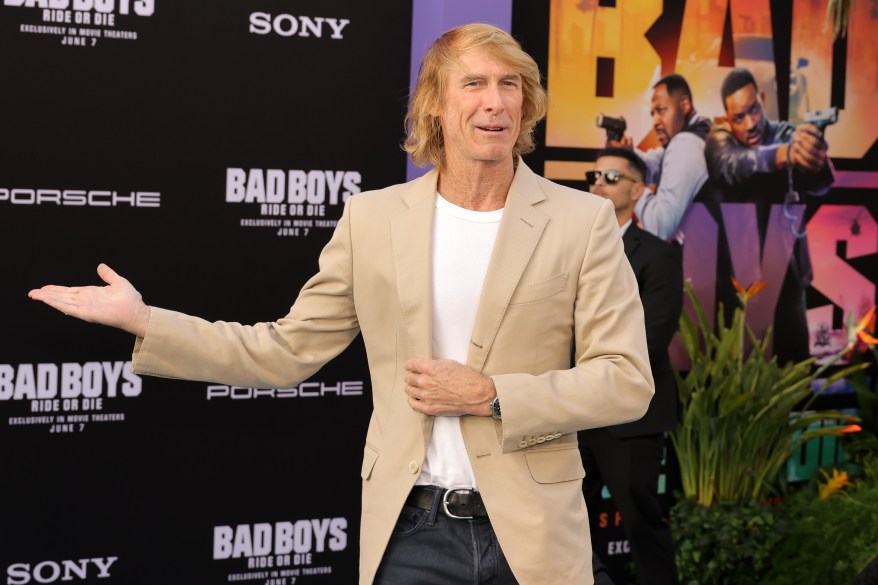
x: 321, y: 324
x: 611, y: 382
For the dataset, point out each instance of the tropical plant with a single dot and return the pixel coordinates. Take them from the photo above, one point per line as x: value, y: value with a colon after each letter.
x: 743, y: 414
x: 828, y: 540
x: 729, y: 543
x: 864, y: 445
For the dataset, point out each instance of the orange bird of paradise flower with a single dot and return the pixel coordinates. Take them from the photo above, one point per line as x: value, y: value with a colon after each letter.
x: 751, y: 291
x: 849, y: 429
x: 866, y: 328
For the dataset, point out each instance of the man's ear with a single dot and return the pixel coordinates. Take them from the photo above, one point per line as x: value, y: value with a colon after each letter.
x: 637, y: 191
x: 686, y: 105
x: 435, y: 109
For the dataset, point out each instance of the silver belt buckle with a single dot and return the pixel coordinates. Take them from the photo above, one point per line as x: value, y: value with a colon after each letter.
x: 445, y: 502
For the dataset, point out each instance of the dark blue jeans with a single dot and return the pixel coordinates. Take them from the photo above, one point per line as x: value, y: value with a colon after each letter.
x: 429, y: 548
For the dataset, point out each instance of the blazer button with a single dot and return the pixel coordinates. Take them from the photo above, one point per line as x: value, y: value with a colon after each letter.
x: 541, y: 439
x: 557, y: 435
x: 523, y: 444
x: 531, y: 441
x: 414, y: 467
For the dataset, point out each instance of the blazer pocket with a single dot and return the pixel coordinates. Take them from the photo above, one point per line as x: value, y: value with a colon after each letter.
x: 556, y: 465
x: 539, y: 291
x: 370, y: 456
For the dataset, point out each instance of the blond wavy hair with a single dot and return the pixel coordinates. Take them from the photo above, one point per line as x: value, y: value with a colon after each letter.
x: 424, y: 131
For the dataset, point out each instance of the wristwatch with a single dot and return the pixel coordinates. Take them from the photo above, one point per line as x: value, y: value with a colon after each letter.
x: 495, y: 407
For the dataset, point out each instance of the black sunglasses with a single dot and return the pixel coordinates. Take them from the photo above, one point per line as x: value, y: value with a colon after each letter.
x: 610, y: 177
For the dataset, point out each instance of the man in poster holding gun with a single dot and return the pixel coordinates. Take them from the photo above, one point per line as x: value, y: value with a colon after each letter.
x: 754, y: 160
x: 677, y: 167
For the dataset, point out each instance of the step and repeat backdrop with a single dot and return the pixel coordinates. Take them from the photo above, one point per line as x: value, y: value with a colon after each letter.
x: 204, y: 151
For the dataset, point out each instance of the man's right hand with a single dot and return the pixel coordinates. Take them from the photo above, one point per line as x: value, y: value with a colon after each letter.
x: 808, y: 150
x: 118, y: 304
x: 625, y: 143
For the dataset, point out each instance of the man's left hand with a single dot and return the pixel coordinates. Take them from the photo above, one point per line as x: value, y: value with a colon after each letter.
x: 440, y: 387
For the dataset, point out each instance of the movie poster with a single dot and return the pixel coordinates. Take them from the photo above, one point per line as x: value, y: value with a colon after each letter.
x: 603, y: 58
x: 815, y: 248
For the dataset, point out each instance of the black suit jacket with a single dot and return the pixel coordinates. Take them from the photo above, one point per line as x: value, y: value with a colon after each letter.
x: 658, y: 267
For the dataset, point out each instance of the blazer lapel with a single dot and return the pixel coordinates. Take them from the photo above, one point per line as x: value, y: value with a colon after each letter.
x: 520, y: 230
x: 411, y: 235
x: 631, y: 239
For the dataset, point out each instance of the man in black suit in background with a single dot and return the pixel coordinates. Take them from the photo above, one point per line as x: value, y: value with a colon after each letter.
x: 627, y: 458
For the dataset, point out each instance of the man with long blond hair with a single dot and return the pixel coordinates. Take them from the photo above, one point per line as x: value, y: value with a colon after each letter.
x: 470, y: 285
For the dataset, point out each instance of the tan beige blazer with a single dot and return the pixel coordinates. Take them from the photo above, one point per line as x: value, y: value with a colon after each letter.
x: 557, y: 274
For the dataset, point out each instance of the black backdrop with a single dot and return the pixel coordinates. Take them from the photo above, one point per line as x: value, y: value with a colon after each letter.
x: 167, y: 114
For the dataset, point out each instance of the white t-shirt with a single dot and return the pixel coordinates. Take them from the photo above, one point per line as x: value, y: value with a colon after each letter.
x: 462, y: 243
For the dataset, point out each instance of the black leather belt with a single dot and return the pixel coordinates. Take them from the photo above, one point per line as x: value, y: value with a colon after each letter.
x: 458, y: 503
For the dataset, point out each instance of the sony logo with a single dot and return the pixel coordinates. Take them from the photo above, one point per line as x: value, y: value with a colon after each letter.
x: 287, y: 25
x: 51, y: 571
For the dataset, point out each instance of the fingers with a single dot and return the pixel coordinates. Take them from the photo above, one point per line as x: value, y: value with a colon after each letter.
x: 419, y: 406
x: 61, y: 298
x: 42, y: 293
x: 415, y: 402
x: 415, y: 365
x: 422, y: 388
x: 626, y: 142
x: 413, y: 380
x: 808, y: 130
x: 808, y: 141
x: 107, y: 274
x: 808, y: 149
x: 50, y: 291
x: 432, y: 375
x: 37, y: 294
x: 412, y: 391
x: 423, y: 394
x: 807, y: 156
x: 45, y: 293
x: 424, y: 366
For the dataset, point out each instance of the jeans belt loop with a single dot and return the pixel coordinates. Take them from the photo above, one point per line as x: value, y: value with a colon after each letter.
x: 434, y: 508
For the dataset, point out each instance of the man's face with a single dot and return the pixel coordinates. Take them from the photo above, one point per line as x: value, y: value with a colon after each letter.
x: 746, y: 119
x: 625, y: 192
x: 669, y: 113
x: 481, y: 113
